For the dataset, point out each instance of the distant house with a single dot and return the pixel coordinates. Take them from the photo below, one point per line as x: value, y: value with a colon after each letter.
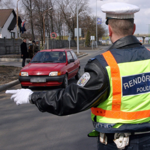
x: 8, y: 24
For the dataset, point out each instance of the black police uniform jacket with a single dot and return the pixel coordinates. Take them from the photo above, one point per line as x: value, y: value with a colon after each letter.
x: 76, y: 98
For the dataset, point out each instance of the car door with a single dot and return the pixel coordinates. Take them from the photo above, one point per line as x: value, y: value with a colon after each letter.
x: 70, y: 66
x: 76, y: 62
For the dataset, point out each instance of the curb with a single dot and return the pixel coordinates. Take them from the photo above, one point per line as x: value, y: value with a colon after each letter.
x: 82, y: 55
x: 13, y: 59
x: 8, y: 85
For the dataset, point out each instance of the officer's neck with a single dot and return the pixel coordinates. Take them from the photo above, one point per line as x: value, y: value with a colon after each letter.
x: 115, y: 38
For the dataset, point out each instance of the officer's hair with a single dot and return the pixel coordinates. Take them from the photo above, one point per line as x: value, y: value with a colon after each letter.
x: 122, y: 27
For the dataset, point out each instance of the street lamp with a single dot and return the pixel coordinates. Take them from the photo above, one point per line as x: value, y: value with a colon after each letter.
x: 44, y: 23
x: 96, y: 22
x: 17, y: 17
x: 149, y: 33
x: 77, y: 30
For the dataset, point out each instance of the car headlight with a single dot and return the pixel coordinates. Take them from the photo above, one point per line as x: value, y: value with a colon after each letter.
x: 24, y: 74
x: 55, y: 73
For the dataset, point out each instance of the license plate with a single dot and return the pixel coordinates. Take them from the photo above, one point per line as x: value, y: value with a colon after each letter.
x: 37, y: 80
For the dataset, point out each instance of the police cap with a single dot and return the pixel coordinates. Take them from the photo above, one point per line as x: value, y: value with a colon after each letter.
x: 119, y: 10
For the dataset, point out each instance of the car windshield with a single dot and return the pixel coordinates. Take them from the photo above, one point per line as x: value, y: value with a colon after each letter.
x: 52, y: 56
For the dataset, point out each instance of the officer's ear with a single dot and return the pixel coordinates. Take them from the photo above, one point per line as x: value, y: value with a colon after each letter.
x: 134, y: 29
x: 110, y: 30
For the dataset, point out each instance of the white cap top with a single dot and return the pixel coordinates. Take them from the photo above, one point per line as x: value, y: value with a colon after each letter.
x: 119, y: 10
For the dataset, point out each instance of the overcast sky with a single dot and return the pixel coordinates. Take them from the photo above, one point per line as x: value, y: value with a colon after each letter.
x: 142, y: 18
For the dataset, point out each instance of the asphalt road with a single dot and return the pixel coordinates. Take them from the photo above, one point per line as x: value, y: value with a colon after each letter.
x: 26, y: 128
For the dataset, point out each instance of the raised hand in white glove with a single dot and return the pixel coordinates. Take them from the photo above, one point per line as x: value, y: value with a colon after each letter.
x: 20, y: 96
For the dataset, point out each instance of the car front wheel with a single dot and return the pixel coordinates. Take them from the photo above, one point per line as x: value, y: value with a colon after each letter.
x: 77, y: 76
x: 65, y: 81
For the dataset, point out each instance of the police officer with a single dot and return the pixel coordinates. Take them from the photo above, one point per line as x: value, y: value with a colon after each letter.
x: 115, y: 85
x: 24, y: 53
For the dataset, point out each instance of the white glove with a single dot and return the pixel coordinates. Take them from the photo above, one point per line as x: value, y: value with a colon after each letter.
x: 20, y: 96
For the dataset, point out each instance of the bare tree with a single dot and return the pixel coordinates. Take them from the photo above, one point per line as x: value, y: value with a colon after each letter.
x: 7, y: 4
x: 29, y: 8
x: 69, y: 11
x: 40, y: 7
x: 50, y: 17
x: 46, y: 16
x: 58, y: 23
x: 88, y: 24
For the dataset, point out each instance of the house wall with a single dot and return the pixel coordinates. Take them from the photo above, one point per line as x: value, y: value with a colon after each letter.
x: 5, y: 32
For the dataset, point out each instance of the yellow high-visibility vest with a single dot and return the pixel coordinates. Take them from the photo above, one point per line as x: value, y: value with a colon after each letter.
x: 129, y: 98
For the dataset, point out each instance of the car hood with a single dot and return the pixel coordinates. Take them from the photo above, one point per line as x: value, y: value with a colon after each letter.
x: 42, y: 69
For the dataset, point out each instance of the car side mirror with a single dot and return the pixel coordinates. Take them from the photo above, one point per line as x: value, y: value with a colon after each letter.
x: 71, y: 60
x: 28, y: 60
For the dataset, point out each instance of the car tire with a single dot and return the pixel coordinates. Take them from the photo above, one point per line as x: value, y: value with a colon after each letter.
x: 24, y: 87
x: 77, y: 76
x: 65, y: 81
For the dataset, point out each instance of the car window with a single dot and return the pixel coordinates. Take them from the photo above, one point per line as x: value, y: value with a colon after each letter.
x: 37, y: 58
x: 74, y: 55
x: 51, y: 56
x: 61, y: 57
x: 69, y: 56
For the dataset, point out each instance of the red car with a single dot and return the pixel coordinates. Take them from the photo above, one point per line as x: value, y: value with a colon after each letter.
x: 50, y: 68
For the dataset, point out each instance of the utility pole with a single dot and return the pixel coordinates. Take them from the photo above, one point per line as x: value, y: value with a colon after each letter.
x: 44, y: 23
x: 96, y: 23
x: 17, y: 18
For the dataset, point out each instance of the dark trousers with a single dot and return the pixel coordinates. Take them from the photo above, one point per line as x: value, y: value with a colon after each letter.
x: 136, y: 142
x: 23, y: 62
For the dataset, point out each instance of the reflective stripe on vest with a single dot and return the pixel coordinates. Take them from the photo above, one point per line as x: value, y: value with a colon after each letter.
x: 116, y: 115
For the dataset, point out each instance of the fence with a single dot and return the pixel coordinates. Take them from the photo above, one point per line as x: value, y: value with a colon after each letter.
x: 53, y: 44
x: 10, y: 46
